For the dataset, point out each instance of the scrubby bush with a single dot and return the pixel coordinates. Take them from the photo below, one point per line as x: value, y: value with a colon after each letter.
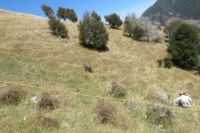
x: 12, y: 96
x: 95, y: 16
x: 183, y: 47
x: 160, y: 114
x: 47, y: 101
x: 137, y: 33
x: 62, y: 13
x: 48, y: 11
x: 58, y: 28
x: 88, y: 68
x: 172, y: 26
x: 118, y: 90
x: 140, y: 28
x: 106, y: 112
x: 129, y: 23
x: 114, y: 20
x: 72, y: 15
x: 66, y: 13
x: 92, y: 33
x: 168, y: 63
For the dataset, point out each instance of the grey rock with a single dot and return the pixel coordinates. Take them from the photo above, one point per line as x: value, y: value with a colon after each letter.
x: 132, y: 105
x: 161, y: 96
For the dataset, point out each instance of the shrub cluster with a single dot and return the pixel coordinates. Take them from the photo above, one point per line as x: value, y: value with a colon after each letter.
x: 184, y: 46
x: 58, y: 28
x: 140, y: 28
x: 92, y: 33
x: 114, y: 20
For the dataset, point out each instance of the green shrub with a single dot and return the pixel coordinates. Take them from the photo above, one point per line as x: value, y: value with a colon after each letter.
x: 183, y: 47
x: 48, y: 11
x: 58, y: 28
x: 72, y: 15
x: 62, y: 13
x: 113, y: 20
x: 67, y: 13
x: 92, y: 33
x: 137, y: 33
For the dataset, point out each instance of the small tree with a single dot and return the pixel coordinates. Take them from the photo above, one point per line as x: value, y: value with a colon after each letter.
x: 71, y: 15
x: 172, y: 26
x: 129, y: 24
x: 113, y: 20
x: 92, y: 32
x: 58, y: 28
x: 48, y: 11
x: 183, y: 46
x: 138, y: 33
x: 62, y: 13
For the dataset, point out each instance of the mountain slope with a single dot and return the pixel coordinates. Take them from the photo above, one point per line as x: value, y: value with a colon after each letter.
x: 163, y: 10
x: 31, y: 55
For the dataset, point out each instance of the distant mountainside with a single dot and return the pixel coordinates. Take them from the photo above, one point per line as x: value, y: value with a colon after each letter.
x: 163, y: 10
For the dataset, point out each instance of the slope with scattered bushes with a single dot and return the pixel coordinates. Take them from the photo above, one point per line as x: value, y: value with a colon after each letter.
x: 34, y: 60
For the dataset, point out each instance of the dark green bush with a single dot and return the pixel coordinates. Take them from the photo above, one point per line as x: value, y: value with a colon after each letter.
x: 113, y: 20
x: 62, y: 13
x: 66, y: 13
x: 183, y: 47
x: 168, y: 63
x: 58, y: 28
x: 48, y: 11
x: 137, y: 33
x: 92, y: 33
x: 72, y: 15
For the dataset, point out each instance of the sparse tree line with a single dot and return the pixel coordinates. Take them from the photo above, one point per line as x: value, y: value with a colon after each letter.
x: 183, y: 48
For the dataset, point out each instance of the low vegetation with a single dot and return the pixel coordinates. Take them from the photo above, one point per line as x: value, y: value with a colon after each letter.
x: 12, y: 96
x: 118, y: 90
x: 58, y: 28
x: 48, y: 101
x: 114, y: 20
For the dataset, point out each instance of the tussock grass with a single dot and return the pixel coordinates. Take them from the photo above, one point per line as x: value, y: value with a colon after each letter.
x: 59, y: 66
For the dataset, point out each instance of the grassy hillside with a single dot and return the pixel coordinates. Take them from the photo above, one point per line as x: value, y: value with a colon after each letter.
x: 31, y: 55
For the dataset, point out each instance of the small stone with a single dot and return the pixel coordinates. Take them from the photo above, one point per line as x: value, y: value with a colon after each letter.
x: 66, y: 123
x: 34, y: 99
x: 132, y: 105
x: 161, y: 96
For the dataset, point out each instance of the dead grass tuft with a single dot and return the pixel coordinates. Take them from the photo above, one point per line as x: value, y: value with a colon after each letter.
x: 45, y: 122
x: 118, y: 90
x: 48, y: 101
x: 108, y: 113
x: 12, y: 96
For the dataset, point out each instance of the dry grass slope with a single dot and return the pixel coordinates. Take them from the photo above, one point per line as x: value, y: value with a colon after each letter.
x: 38, y: 58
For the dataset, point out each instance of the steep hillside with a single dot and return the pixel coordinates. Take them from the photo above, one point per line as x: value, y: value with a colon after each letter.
x: 163, y: 10
x: 33, y: 59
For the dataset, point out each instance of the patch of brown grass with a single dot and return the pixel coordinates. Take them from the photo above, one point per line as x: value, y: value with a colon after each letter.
x: 12, y: 96
x: 45, y: 122
x: 108, y: 113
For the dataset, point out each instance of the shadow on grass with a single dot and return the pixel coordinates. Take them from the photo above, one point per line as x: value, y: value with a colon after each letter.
x: 102, y: 49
